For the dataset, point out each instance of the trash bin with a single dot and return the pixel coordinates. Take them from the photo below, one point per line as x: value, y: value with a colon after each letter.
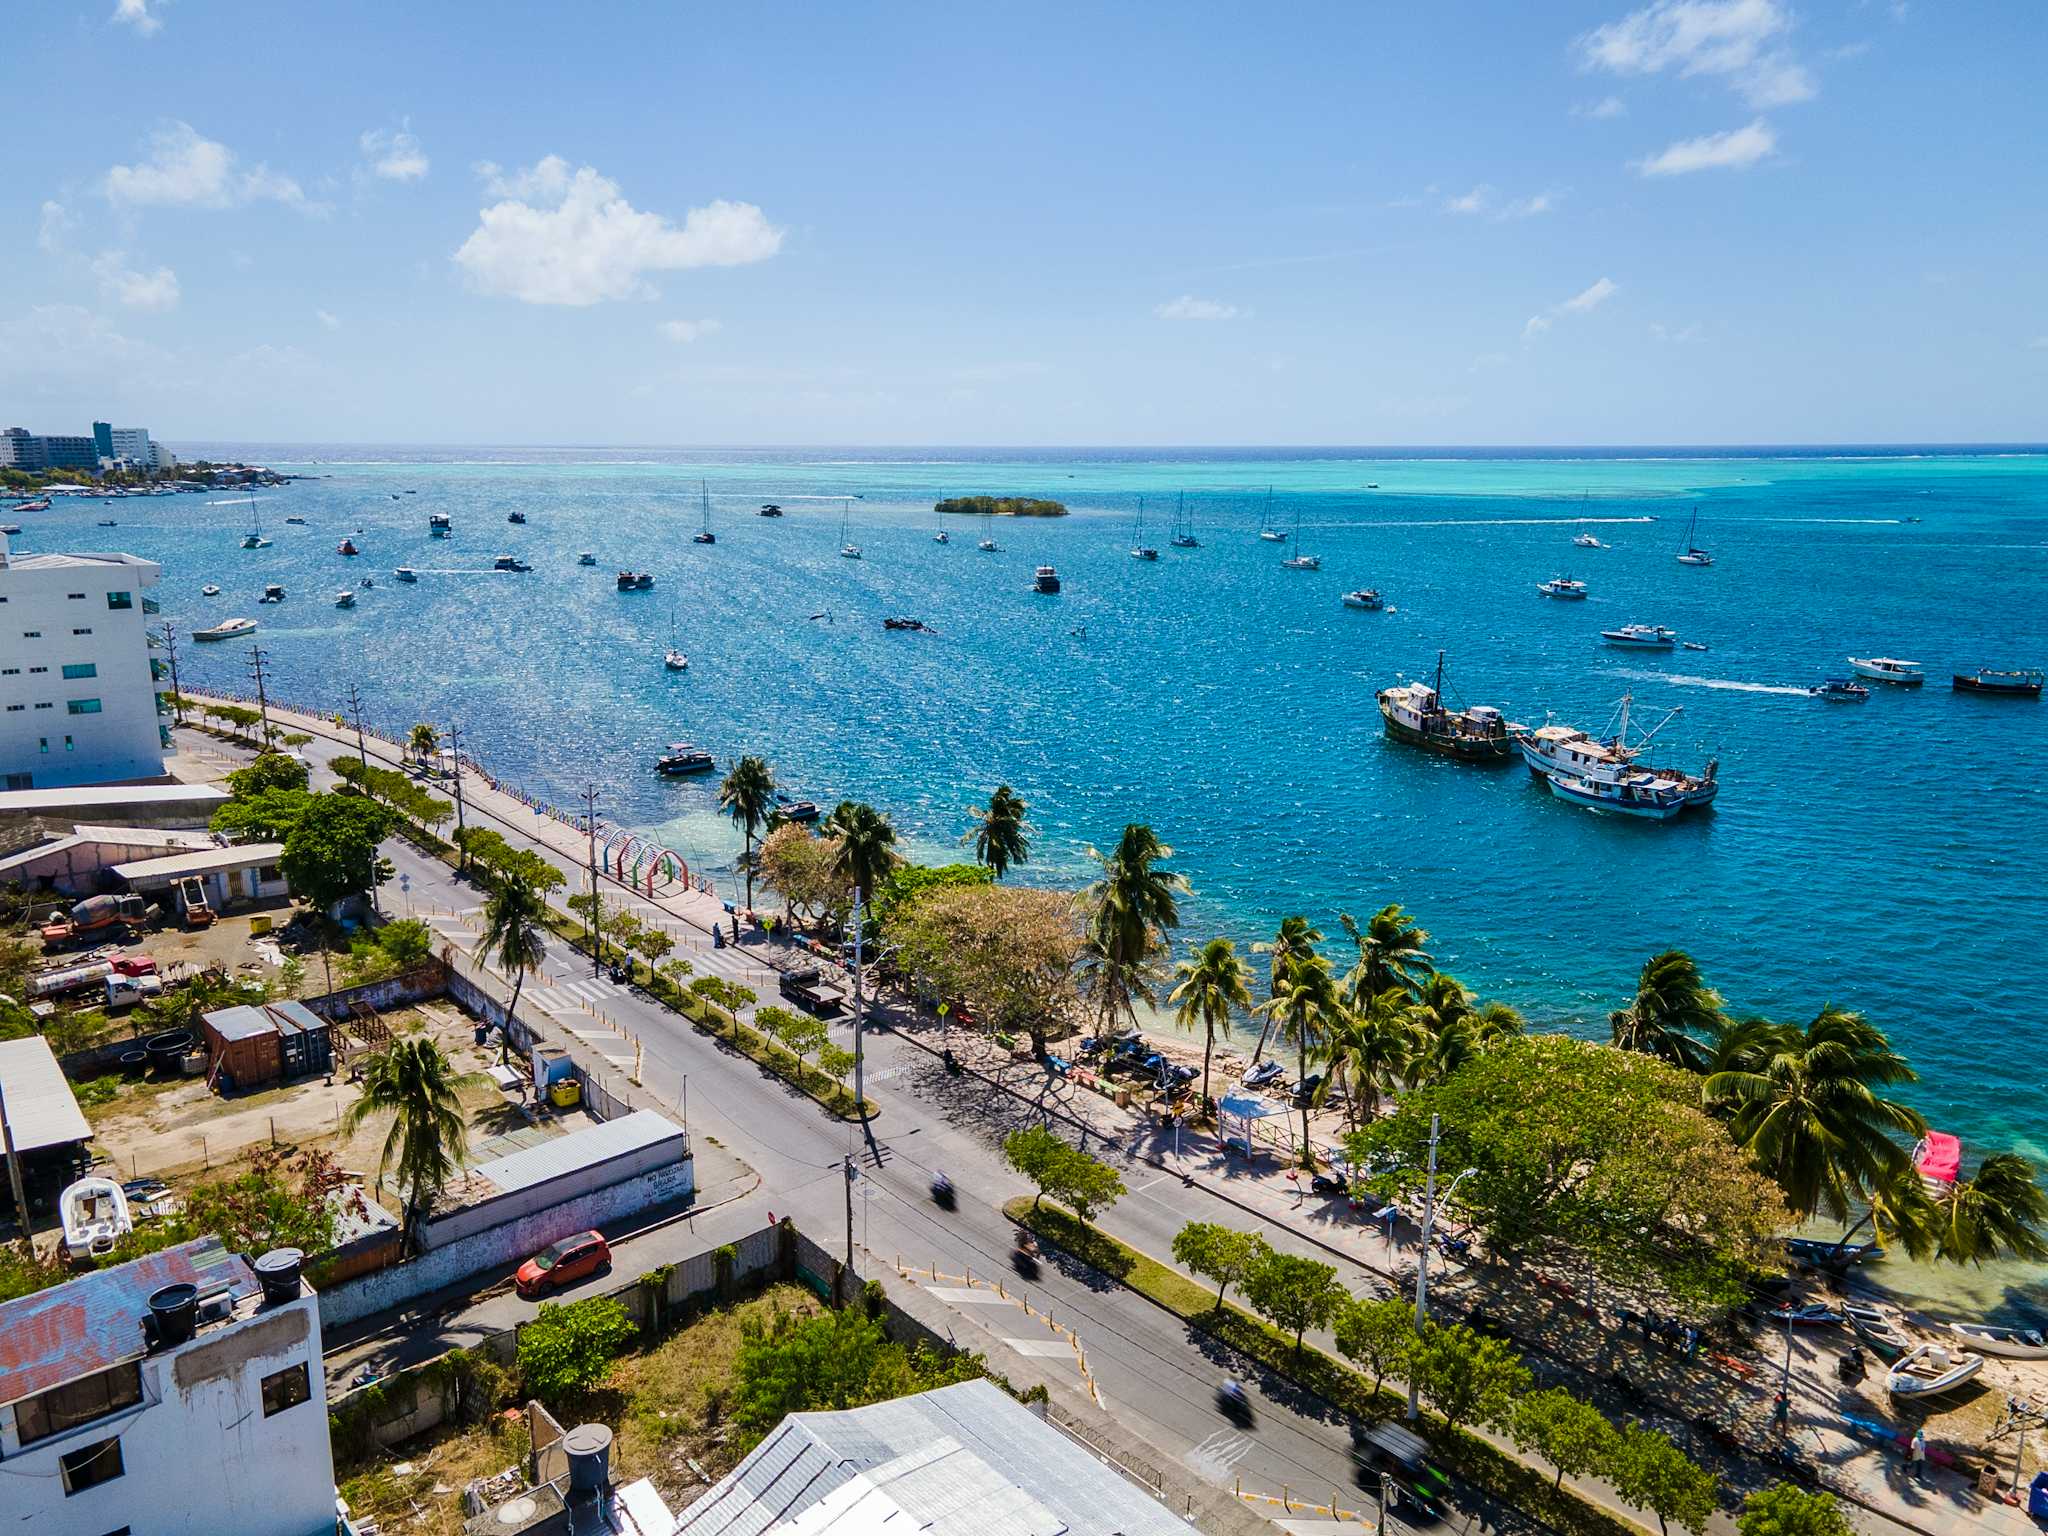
x: 565, y: 1094
x: 2037, y: 1496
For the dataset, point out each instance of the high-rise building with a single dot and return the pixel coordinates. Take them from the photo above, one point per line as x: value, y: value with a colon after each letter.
x: 22, y: 449
x: 71, y: 453
x: 130, y: 443
x: 103, y: 439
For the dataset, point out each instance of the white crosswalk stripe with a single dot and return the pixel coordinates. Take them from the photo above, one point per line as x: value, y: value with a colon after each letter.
x: 1048, y: 1349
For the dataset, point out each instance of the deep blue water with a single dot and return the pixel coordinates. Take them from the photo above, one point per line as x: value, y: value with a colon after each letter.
x: 1887, y: 857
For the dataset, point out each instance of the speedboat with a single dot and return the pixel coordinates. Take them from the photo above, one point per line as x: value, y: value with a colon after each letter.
x: 682, y: 758
x: 586, y: 558
x: 1415, y: 713
x: 296, y: 522
x: 1889, y: 669
x: 95, y: 1216
x: 1045, y: 579
x: 1693, y: 645
x: 108, y: 522
x: 769, y: 509
x: 1587, y: 541
x: 1562, y: 586
x: 917, y: 625
x: 1840, y: 690
x: 209, y: 590
x: 406, y: 573
x: 675, y: 660
x: 344, y: 599
x: 227, y: 629
x: 2024, y: 683
x: 1303, y: 563
x: 1642, y: 637
x: 347, y: 547
x: 2006, y: 1343
x: 1365, y: 597
x: 1930, y: 1370
x: 10, y: 529
x: 272, y: 594
x: 644, y: 582
x: 515, y: 517
x: 369, y: 582
x: 1144, y: 552
x: 510, y: 563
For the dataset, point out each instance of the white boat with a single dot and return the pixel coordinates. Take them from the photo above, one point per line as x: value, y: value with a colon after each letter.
x: 406, y: 573
x: 1141, y: 550
x: 1301, y: 562
x: 1889, y: 669
x: 441, y: 526
x: 1587, y: 541
x: 1269, y: 533
x: 942, y: 537
x: 1183, y: 526
x: 1641, y: 637
x: 848, y: 550
x: 95, y: 1216
x: 274, y: 593
x: 1045, y: 580
x: 1365, y: 597
x: 1562, y: 587
x: 675, y: 660
x: 1930, y: 1370
x: 2006, y: 1343
x: 344, y: 598
x: 1692, y: 554
x: 988, y: 546
x: 254, y: 541
x: 1648, y: 796
x: 704, y: 535
x: 1610, y: 760
x: 227, y: 629
x: 209, y: 590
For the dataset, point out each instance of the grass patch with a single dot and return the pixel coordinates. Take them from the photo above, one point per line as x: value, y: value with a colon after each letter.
x: 1477, y: 1461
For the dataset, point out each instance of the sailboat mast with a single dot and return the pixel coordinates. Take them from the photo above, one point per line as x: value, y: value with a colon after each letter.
x: 1439, y: 679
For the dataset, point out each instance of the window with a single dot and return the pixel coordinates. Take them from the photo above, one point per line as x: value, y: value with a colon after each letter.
x: 120, y: 600
x: 21, y: 780
x: 285, y: 1389
x: 81, y: 631
x: 32, y: 671
x: 83, y: 706
x: 15, y: 709
x: 10, y: 671
x: 46, y: 704
x: 75, y: 596
x: 90, y: 1466
x: 46, y: 743
x: 77, y: 669
x: 67, y: 743
x: 31, y: 634
x: 78, y: 1402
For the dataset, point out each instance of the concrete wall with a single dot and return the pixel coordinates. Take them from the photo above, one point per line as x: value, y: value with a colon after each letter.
x: 565, y: 1189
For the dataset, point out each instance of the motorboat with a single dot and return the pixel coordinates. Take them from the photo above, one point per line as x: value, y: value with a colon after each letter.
x: 1692, y: 554
x: 1613, y: 759
x: 1414, y: 713
x: 1877, y: 1328
x: 369, y: 582
x: 769, y: 509
x: 347, y: 547
x: 296, y: 522
x: 2024, y: 683
x: 586, y: 558
x: 675, y: 660
x: 95, y: 1216
x: 273, y: 593
x: 209, y: 590
x: 10, y: 529
x: 2005, y: 1343
x: 849, y: 551
x: 917, y: 626
x: 1648, y: 796
x: 787, y: 809
x: 1931, y: 1370
x: 1840, y: 690
x: 1045, y: 579
x: 227, y: 629
x: 682, y: 758
x: 1587, y: 541
x: 1365, y: 597
x: 1641, y: 637
x: 644, y: 582
x: 1562, y: 587
x: 515, y: 517
x: 406, y: 573
x: 510, y: 563
x: 1889, y: 669
x: 440, y: 525
x: 344, y: 599
x: 35, y: 504
x: 634, y: 581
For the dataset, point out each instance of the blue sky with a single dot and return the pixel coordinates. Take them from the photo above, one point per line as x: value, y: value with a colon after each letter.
x: 1697, y: 221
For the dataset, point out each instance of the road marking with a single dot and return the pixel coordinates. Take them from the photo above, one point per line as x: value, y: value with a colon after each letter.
x: 1216, y: 1456
x: 1048, y: 1349
x: 959, y: 1294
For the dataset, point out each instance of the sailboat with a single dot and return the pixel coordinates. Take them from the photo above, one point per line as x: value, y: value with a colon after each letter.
x: 848, y: 550
x: 674, y: 659
x: 942, y: 537
x: 704, y: 535
x: 1692, y: 554
x: 1269, y: 533
x: 1141, y: 550
x: 254, y: 539
x: 988, y: 545
x: 1302, y: 560
x: 1183, y: 527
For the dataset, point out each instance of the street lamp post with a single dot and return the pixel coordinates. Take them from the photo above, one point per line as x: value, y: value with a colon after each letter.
x: 859, y: 1057
x: 1422, y: 1255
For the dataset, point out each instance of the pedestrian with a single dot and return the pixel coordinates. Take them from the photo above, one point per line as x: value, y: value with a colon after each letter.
x: 1919, y: 1455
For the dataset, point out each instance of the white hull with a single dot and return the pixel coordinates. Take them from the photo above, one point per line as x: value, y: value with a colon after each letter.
x: 1882, y: 669
x: 1931, y: 1370
x: 2006, y: 1343
x: 234, y: 629
x: 95, y: 1215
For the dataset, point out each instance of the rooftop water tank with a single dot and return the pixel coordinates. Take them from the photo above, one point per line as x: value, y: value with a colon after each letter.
x: 278, y: 1270
x: 174, y: 1314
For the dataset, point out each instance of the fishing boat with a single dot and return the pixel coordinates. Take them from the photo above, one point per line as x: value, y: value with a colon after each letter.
x: 274, y: 593
x: 1938, y: 1158
x: 1840, y: 690
x: 2024, y: 683
x: 769, y: 509
x: 227, y: 629
x: 406, y: 573
x: 1931, y: 1370
x: 586, y: 558
x: 1183, y: 526
x: 1268, y: 532
x: 95, y: 1216
x: 1562, y: 587
x: 347, y: 547
x: 635, y: 581
x: 1641, y: 637
x: 1414, y: 713
x: 1613, y: 758
x: 682, y: 758
x: 344, y: 598
x: 1587, y: 541
x: 1646, y: 796
x: 1045, y: 579
x: 2005, y: 1343
x: 1889, y: 669
x: 1877, y: 1328
x: 209, y: 590
x: 704, y: 535
x: 1692, y: 554
x: 1365, y: 597
x: 36, y: 504
x: 516, y: 517
x: 1141, y: 550
x: 512, y: 563
x: 440, y: 525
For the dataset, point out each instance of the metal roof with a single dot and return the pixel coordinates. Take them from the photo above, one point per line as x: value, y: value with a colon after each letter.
x: 203, y: 861
x: 240, y: 1023
x: 965, y: 1460
x: 41, y: 1111
x: 290, y: 1013
x: 579, y: 1149
x: 202, y: 798
x: 95, y: 1321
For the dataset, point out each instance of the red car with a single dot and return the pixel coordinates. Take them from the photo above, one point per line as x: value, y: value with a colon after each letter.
x: 568, y: 1261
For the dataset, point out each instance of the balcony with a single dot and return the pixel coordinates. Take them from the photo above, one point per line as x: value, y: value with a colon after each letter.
x: 163, y: 705
x: 158, y: 670
x: 151, y: 605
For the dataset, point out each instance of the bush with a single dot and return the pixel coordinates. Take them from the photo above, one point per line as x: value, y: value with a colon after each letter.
x: 828, y: 1361
x: 569, y: 1348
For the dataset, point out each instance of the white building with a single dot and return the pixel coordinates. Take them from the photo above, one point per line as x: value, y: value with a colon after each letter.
x: 131, y: 443
x: 178, y: 1395
x: 79, y: 685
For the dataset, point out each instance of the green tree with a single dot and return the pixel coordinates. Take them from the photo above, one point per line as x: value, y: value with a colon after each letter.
x: 1295, y: 940
x: 1210, y: 988
x: 834, y: 1360
x: 1674, y: 1015
x: 265, y: 815
x: 1307, y: 1011
x: 1996, y: 1213
x: 1217, y: 1252
x: 412, y: 1082
x: 1131, y: 909
x: 835, y: 1061
x: 1292, y: 1293
x: 270, y: 770
x: 799, y: 1033
x: 653, y: 944
x: 1390, y: 949
x: 1377, y: 1336
x: 1805, y: 1105
x: 747, y: 795
x: 1005, y: 952
x: 1083, y: 1184
x: 1468, y: 1377
x: 1782, y: 1510
x: 331, y: 853
x: 867, y: 846
x: 1001, y: 835
x: 569, y: 1347
x: 1652, y: 1473
x: 1373, y: 1048
x: 422, y: 742
x: 1573, y: 1436
x: 804, y: 871
x: 515, y: 938
x: 1455, y: 1026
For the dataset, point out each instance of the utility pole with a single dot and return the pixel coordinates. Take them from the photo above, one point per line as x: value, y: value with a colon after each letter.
x: 21, y: 1200
x: 852, y: 1173
x: 596, y: 901
x: 355, y: 713
x: 256, y: 656
x: 859, y: 1015
x: 455, y: 756
x: 177, y: 694
x: 1422, y: 1265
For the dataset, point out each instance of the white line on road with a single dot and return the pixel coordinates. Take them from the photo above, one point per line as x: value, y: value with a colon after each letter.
x: 961, y: 1293
x: 1044, y: 1348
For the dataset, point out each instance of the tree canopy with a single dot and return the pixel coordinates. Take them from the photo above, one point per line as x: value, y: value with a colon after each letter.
x: 1001, y: 506
x: 330, y: 853
x: 1006, y: 952
x: 1081, y: 1183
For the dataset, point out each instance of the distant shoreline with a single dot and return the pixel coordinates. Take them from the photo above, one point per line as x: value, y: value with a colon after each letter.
x: 1000, y: 506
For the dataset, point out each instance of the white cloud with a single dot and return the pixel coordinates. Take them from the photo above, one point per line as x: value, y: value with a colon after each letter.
x: 1474, y: 201
x: 1528, y: 207
x: 156, y: 290
x: 1606, y: 107
x: 687, y: 330
x: 136, y: 14
x: 394, y: 155
x: 1734, y: 150
x: 1188, y: 307
x: 562, y: 237
x: 1537, y: 325
x: 1736, y: 41
x: 328, y: 321
x: 187, y: 170
x: 57, y: 223
x: 1580, y: 303
x: 1680, y: 337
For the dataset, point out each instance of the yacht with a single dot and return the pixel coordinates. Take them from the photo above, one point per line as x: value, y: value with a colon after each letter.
x: 1587, y: 541
x: 227, y: 629
x: 1183, y: 527
x: 1562, y: 587
x: 1269, y: 533
x: 1414, y: 713
x: 1889, y: 669
x: 675, y: 660
x: 406, y: 573
x: 253, y: 540
x: 1692, y: 554
x: 635, y: 581
x: 1840, y: 690
x: 586, y: 558
x: 209, y: 590
x: 1301, y: 562
x: 1045, y: 579
x: 849, y: 551
x: 440, y: 525
x: 683, y: 758
x: 1613, y: 759
x: 988, y: 546
x: 516, y: 517
x: 704, y: 535
x: 347, y: 547
x: 274, y: 593
x: 1365, y: 597
x: 769, y: 509
x: 1641, y: 637
x: 2023, y: 683
x: 344, y: 598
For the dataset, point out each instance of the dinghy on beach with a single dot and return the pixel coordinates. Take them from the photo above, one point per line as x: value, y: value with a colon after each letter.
x: 1931, y: 1370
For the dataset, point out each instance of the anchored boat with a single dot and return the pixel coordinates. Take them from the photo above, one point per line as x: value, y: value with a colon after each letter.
x: 2023, y: 683
x: 1365, y: 597
x: 1889, y: 669
x: 1414, y: 713
x: 1605, y: 772
x: 1045, y: 579
x: 1641, y: 637
x: 1840, y: 690
x: 1692, y: 554
x: 1562, y: 587
x: 682, y: 758
x: 227, y: 629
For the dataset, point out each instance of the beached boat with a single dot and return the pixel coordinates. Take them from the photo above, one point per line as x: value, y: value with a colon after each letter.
x: 95, y: 1215
x: 1562, y: 587
x: 1365, y: 597
x: 1587, y: 541
x: 1840, y: 690
x: 681, y: 759
x: 2005, y: 1343
x: 1641, y: 637
x: 347, y: 547
x: 1931, y: 1370
x: 1889, y: 669
x: 1415, y: 713
x: 274, y: 593
x: 344, y: 599
x: 227, y: 629
x: 1692, y: 554
x: 1877, y: 1328
x: 406, y: 573
x: 1831, y: 1255
x: 1045, y: 579
x: 2023, y: 683
x: 209, y: 590
x: 704, y: 535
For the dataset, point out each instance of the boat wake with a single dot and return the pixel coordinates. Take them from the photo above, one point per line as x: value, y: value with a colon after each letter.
x: 1728, y: 684
x: 1498, y: 522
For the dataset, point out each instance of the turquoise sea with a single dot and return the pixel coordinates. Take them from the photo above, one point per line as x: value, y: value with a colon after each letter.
x: 1887, y: 857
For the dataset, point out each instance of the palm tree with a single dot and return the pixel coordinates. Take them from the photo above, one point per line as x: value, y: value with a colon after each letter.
x: 1212, y: 986
x: 1130, y: 910
x: 1802, y: 1103
x: 1674, y: 1015
x: 1306, y: 1011
x: 1992, y: 1215
x: 747, y: 795
x: 1390, y: 953
x: 422, y: 741
x: 515, y: 936
x: 1475, y: 1030
x: 867, y: 846
x: 1295, y: 940
x: 411, y: 1081
x: 1001, y: 836
x: 1374, y: 1048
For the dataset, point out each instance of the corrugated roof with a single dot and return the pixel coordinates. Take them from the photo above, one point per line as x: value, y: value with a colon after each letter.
x: 578, y: 1149
x: 95, y: 1321
x: 204, y: 861
x: 41, y: 1111
x: 297, y: 1013
x: 203, y: 798
x: 240, y: 1023
x: 965, y: 1460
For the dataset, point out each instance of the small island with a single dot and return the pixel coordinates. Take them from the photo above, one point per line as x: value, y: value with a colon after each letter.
x: 1001, y: 506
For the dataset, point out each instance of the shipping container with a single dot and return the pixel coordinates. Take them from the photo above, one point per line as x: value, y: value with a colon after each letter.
x: 242, y: 1048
